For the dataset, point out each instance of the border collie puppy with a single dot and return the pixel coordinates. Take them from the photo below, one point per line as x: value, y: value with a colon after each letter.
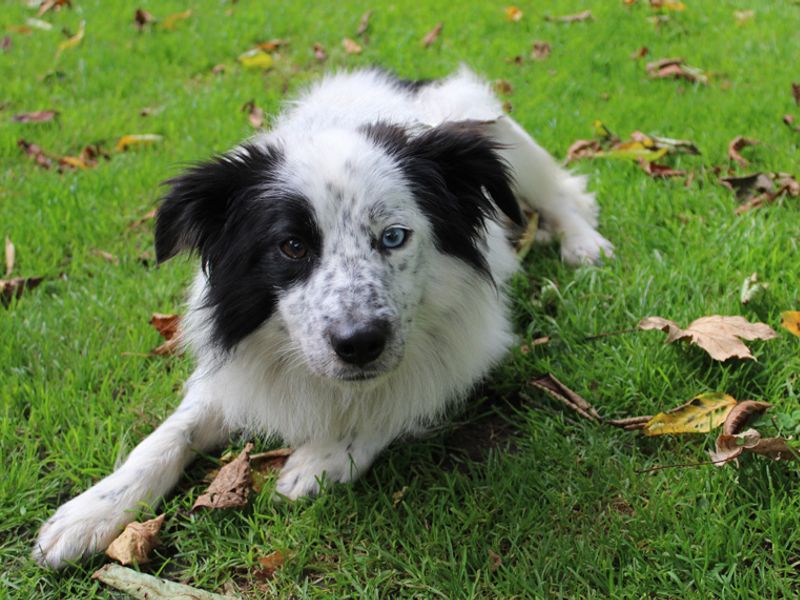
x: 353, y: 263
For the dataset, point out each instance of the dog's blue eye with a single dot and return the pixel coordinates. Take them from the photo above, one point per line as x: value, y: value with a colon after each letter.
x: 394, y: 237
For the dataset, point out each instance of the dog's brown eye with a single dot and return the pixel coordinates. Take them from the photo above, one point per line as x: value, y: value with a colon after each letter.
x: 294, y: 248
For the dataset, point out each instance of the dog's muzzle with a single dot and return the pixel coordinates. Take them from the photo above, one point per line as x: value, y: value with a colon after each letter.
x: 359, y: 344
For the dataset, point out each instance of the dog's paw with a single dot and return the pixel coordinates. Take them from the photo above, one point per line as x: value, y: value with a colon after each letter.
x: 84, y: 525
x: 309, y: 464
x: 587, y: 248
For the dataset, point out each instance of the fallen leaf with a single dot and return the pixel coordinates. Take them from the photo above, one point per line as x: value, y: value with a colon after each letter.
x: 273, y: 45
x: 586, y: 15
x: 717, y: 335
x: 494, y: 561
x: 675, y: 68
x: 148, y: 216
x: 319, y: 52
x: 796, y: 93
x: 141, y: 585
x: 254, y: 114
x: 137, y: 139
x: 256, y: 58
x: 39, y: 24
x: 351, y: 46
x: 36, y: 153
x: 757, y: 189
x: 557, y: 390
x: 52, y: 4
x: 142, y: 18
x: 737, y: 144
x: 503, y: 86
x: 640, y: 53
x: 633, y: 151
x: 790, y: 321
x: 217, y: 70
x: 655, y: 170
x: 700, y: 415
x: 10, y: 256
x: 264, y: 464
x: 106, y: 256
x: 789, y: 121
x: 671, y: 144
x: 231, y: 487
x: 72, y: 41
x: 168, y: 326
x: 363, y: 23
x: 741, y: 414
x: 731, y: 447
x: 16, y: 286
x: 582, y: 149
x: 269, y: 564
x: 540, y: 50
x: 6, y: 43
x: 172, y: 20
x: 752, y: 289
x: 526, y: 240
x: 743, y: 16
x: 668, y: 5
x: 41, y: 116
x: 513, y: 14
x: 20, y: 29
x: 432, y: 35
x: 397, y: 497
x: 134, y: 544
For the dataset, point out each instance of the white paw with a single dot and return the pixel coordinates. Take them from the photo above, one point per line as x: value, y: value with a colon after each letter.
x: 84, y: 525
x: 586, y: 248
x: 313, y: 462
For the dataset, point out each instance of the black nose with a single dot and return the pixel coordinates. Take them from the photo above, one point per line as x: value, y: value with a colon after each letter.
x: 360, y: 344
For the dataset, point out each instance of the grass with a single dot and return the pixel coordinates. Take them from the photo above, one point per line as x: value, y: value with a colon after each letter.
x: 567, y: 509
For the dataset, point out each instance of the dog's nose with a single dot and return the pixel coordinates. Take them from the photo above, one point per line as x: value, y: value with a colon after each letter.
x: 360, y: 344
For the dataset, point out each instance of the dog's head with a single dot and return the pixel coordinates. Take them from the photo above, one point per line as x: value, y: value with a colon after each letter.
x: 329, y: 237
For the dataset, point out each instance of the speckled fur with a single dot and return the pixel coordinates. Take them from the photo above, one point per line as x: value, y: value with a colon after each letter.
x: 448, y: 320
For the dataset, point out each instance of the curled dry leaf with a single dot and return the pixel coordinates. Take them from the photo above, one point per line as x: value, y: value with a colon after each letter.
x: 10, y: 255
x: 668, y: 5
x: 56, y: 5
x: 540, y: 50
x: 40, y: 116
x: 752, y: 288
x: 790, y: 321
x: 134, y: 544
x: 675, y: 68
x: 264, y: 464
x: 273, y: 44
x: 269, y: 564
x: 731, y: 447
x: 700, y: 415
x: 168, y: 326
x: 585, y: 15
x: 141, y: 585
x: 718, y: 335
x: 513, y: 14
x: 363, y: 23
x: 351, y: 46
x: 36, y: 153
x: 319, y: 52
x: 231, y: 487
x: 656, y: 170
x: 142, y: 19
x: 582, y: 149
x: 432, y: 35
x: 758, y: 189
x: 640, y: 53
x: 741, y: 414
x: 736, y: 145
x: 72, y: 41
x: 254, y: 114
x: 16, y: 286
x: 136, y: 140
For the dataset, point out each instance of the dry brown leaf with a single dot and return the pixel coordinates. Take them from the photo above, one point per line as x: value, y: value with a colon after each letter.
x: 540, y: 50
x: 796, y: 93
x: 47, y: 5
x: 494, y: 561
x: 655, y: 170
x: 137, y: 139
x: 582, y: 149
x: 11, y: 255
x: 40, y: 116
x: 363, y: 23
x: 640, y: 53
x: 717, y: 335
x: 752, y: 288
x: 351, y: 46
x: 675, y: 68
x: 737, y: 144
x: 106, y: 256
x: 169, y: 327
x: 503, y: 86
x: 142, y: 18
x: 264, y: 464
x: 273, y: 44
x: 790, y: 321
x: 231, y: 487
x: 254, y: 114
x: 172, y: 21
x: 36, y: 153
x: 134, y: 544
x: 513, y: 14
x: 700, y: 415
x: 731, y: 447
x: 141, y: 585
x: 586, y: 15
x: 789, y: 121
x: 148, y: 216
x: 73, y: 40
x: 741, y: 414
x: 757, y: 189
x: 16, y: 286
x: 6, y: 43
x: 269, y: 564
x: 432, y: 35
x: 668, y: 5
x: 557, y: 390
x: 319, y: 52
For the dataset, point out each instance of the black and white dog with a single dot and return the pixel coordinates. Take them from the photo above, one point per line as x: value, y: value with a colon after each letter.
x: 352, y: 283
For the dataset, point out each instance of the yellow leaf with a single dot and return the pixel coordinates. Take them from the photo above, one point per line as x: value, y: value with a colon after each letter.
x: 73, y: 41
x: 633, y: 151
x: 137, y: 139
x: 790, y: 321
x: 700, y: 415
x: 256, y: 59
x: 73, y: 161
x: 513, y: 13
x: 171, y: 21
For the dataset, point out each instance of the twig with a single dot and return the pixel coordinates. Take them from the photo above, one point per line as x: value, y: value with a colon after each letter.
x: 683, y: 466
x: 597, y: 336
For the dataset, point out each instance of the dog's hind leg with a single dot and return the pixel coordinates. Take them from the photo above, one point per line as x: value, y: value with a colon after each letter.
x: 567, y: 210
x: 89, y: 522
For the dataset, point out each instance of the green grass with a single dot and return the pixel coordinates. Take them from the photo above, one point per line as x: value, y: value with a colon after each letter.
x: 569, y: 510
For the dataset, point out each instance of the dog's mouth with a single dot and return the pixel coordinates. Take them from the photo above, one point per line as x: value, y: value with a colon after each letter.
x: 362, y: 376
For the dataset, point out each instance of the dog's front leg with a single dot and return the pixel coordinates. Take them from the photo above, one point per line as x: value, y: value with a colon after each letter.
x: 89, y: 522
x: 334, y: 460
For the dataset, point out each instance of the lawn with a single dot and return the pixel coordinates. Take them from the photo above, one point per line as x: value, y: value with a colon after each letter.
x: 546, y: 504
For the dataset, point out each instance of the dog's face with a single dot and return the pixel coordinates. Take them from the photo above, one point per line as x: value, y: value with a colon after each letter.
x: 330, y: 234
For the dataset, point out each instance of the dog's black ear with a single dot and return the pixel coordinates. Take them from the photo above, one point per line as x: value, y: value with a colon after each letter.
x: 193, y: 213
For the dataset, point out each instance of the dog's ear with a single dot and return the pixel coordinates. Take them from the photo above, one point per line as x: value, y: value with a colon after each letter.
x: 193, y: 213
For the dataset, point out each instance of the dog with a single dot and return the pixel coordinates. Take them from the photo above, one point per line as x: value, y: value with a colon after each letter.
x: 353, y: 262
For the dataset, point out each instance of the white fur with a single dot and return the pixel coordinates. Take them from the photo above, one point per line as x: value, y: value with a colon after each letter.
x: 452, y: 325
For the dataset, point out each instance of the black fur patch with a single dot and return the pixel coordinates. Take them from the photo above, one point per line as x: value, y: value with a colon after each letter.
x: 449, y: 167
x: 228, y: 211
